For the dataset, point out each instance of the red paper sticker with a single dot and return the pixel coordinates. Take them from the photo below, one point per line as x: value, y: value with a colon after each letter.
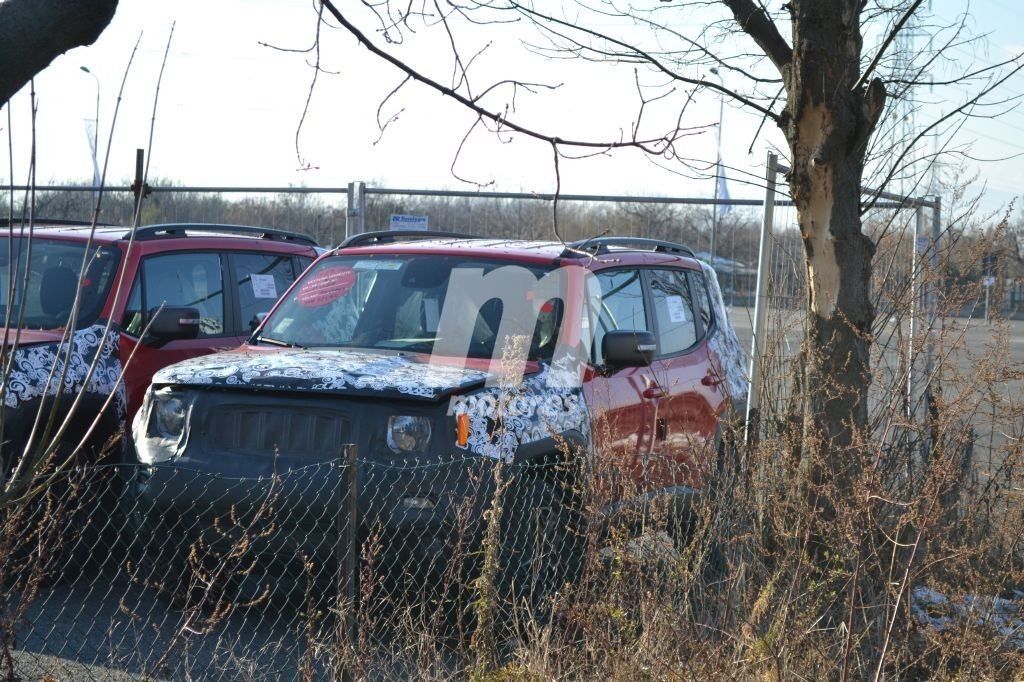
x: 325, y: 286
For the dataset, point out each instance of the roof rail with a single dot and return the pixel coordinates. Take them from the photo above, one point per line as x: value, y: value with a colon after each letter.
x: 180, y: 229
x: 390, y: 236
x: 18, y: 222
x: 600, y: 245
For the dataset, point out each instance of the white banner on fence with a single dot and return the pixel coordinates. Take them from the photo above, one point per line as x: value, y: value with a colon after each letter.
x: 408, y: 222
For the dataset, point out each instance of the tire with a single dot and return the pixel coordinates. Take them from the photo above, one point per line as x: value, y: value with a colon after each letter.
x: 543, y: 543
x: 66, y: 526
x: 683, y: 523
x: 156, y: 550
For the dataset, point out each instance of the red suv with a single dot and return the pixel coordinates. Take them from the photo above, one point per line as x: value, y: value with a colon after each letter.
x: 436, y: 354
x: 185, y: 290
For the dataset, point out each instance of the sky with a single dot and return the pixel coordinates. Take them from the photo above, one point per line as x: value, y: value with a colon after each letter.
x: 234, y: 91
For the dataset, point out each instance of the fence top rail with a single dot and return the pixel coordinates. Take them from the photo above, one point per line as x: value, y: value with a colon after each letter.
x: 890, y: 200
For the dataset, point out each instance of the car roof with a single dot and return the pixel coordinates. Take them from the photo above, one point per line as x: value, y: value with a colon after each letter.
x: 198, y: 232
x: 595, y: 253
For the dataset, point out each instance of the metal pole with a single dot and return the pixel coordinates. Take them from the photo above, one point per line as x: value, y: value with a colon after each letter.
x: 355, y: 216
x: 761, y: 302
x: 718, y: 170
x: 916, y: 298
x: 137, y: 187
x: 95, y: 132
x: 348, y: 551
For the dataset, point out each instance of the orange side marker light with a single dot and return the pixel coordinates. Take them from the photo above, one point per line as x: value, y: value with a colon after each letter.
x: 462, y: 429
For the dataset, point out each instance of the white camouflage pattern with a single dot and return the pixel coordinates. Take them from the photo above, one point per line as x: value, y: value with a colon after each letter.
x: 36, y: 369
x: 320, y: 370
x: 534, y: 410
x: 725, y: 344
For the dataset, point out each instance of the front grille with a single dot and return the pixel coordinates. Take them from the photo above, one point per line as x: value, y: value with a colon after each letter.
x: 271, y: 430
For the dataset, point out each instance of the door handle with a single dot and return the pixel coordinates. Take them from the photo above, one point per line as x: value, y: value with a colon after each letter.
x: 712, y: 380
x: 655, y: 391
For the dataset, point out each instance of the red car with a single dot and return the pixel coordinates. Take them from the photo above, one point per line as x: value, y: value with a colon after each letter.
x: 436, y: 354
x: 80, y: 310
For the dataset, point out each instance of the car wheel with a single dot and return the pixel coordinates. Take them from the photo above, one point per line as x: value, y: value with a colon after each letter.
x: 543, y: 543
x: 156, y: 550
x: 684, y: 523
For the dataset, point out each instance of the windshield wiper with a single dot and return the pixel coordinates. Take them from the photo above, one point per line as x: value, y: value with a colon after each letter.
x: 277, y: 342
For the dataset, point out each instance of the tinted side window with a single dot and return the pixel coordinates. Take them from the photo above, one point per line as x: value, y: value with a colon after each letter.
x: 700, y: 291
x: 187, y: 279
x: 673, y: 311
x: 622, y: 305
x: 262, y: 278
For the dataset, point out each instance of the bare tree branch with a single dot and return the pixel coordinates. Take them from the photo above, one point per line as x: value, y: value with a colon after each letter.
x: 756, y: 23
x: 35, y: 32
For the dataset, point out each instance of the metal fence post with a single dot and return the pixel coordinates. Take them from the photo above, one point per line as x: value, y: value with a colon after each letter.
x: 917, y: 248
x: 933, y: 304
x: 760, y: 302
x: 348, y: 563
x: 355, y: 216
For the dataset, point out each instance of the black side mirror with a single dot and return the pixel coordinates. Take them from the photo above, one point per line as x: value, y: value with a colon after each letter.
x: 628, y: 348
x: 171, y: 323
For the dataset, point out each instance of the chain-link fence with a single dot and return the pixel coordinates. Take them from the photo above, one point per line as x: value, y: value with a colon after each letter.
x: 366, y: 567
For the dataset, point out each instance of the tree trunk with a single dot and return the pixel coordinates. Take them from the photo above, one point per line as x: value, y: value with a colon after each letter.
x: 35, y: 32
x: 828, y: 121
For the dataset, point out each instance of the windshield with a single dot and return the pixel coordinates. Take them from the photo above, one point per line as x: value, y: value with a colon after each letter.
x: 54, y: 273
x: 399, y: 302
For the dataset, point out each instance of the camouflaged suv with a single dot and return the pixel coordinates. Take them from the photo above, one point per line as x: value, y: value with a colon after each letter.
x: 432, y: 352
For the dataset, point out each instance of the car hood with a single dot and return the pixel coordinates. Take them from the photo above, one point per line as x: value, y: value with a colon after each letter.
x: 336, y: 371
x: 26, y: 337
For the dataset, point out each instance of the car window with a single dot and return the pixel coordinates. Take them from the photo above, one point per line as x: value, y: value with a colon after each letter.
x: 133, y: 321
x: 52, y: 270
x: 700, y: 291
x: 673, y: 311
x: 622, y: 305
x: 261, y: 279
x: 399, y: 302
x: 191, y: 280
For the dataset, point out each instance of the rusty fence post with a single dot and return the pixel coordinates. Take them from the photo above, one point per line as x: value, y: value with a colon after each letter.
x: 348, y: 561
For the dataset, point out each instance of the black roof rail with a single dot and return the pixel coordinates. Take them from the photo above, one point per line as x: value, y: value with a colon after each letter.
x: 179, y: 230
x: 390, y: 236
x: 18, y: 222
x: 599, y: 246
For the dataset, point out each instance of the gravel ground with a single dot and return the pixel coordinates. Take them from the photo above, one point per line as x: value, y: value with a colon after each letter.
x: 104, y: 626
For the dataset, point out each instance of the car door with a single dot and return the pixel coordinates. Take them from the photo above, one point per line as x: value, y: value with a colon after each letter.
x: 193, y: 279
x: 687, y: 411
x: 620, y: 415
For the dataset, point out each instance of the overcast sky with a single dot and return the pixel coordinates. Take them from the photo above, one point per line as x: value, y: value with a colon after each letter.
x: 229, y: 109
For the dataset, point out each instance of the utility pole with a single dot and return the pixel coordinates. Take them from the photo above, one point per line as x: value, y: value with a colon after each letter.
x: 718, y: 170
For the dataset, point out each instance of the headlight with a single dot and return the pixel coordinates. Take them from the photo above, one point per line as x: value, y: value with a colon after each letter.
x: 408, y: 434
x: 168, y: 420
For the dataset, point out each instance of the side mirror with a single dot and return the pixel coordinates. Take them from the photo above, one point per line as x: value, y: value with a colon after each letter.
x: 171, y: 323
x: 628, y: 348
x: 256, y: 321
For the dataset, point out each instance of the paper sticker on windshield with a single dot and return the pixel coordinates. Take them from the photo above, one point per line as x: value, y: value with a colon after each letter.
x: 263, y: 286
x: 379, y: 264
x: 677, y: 311
x: 325, y: 286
